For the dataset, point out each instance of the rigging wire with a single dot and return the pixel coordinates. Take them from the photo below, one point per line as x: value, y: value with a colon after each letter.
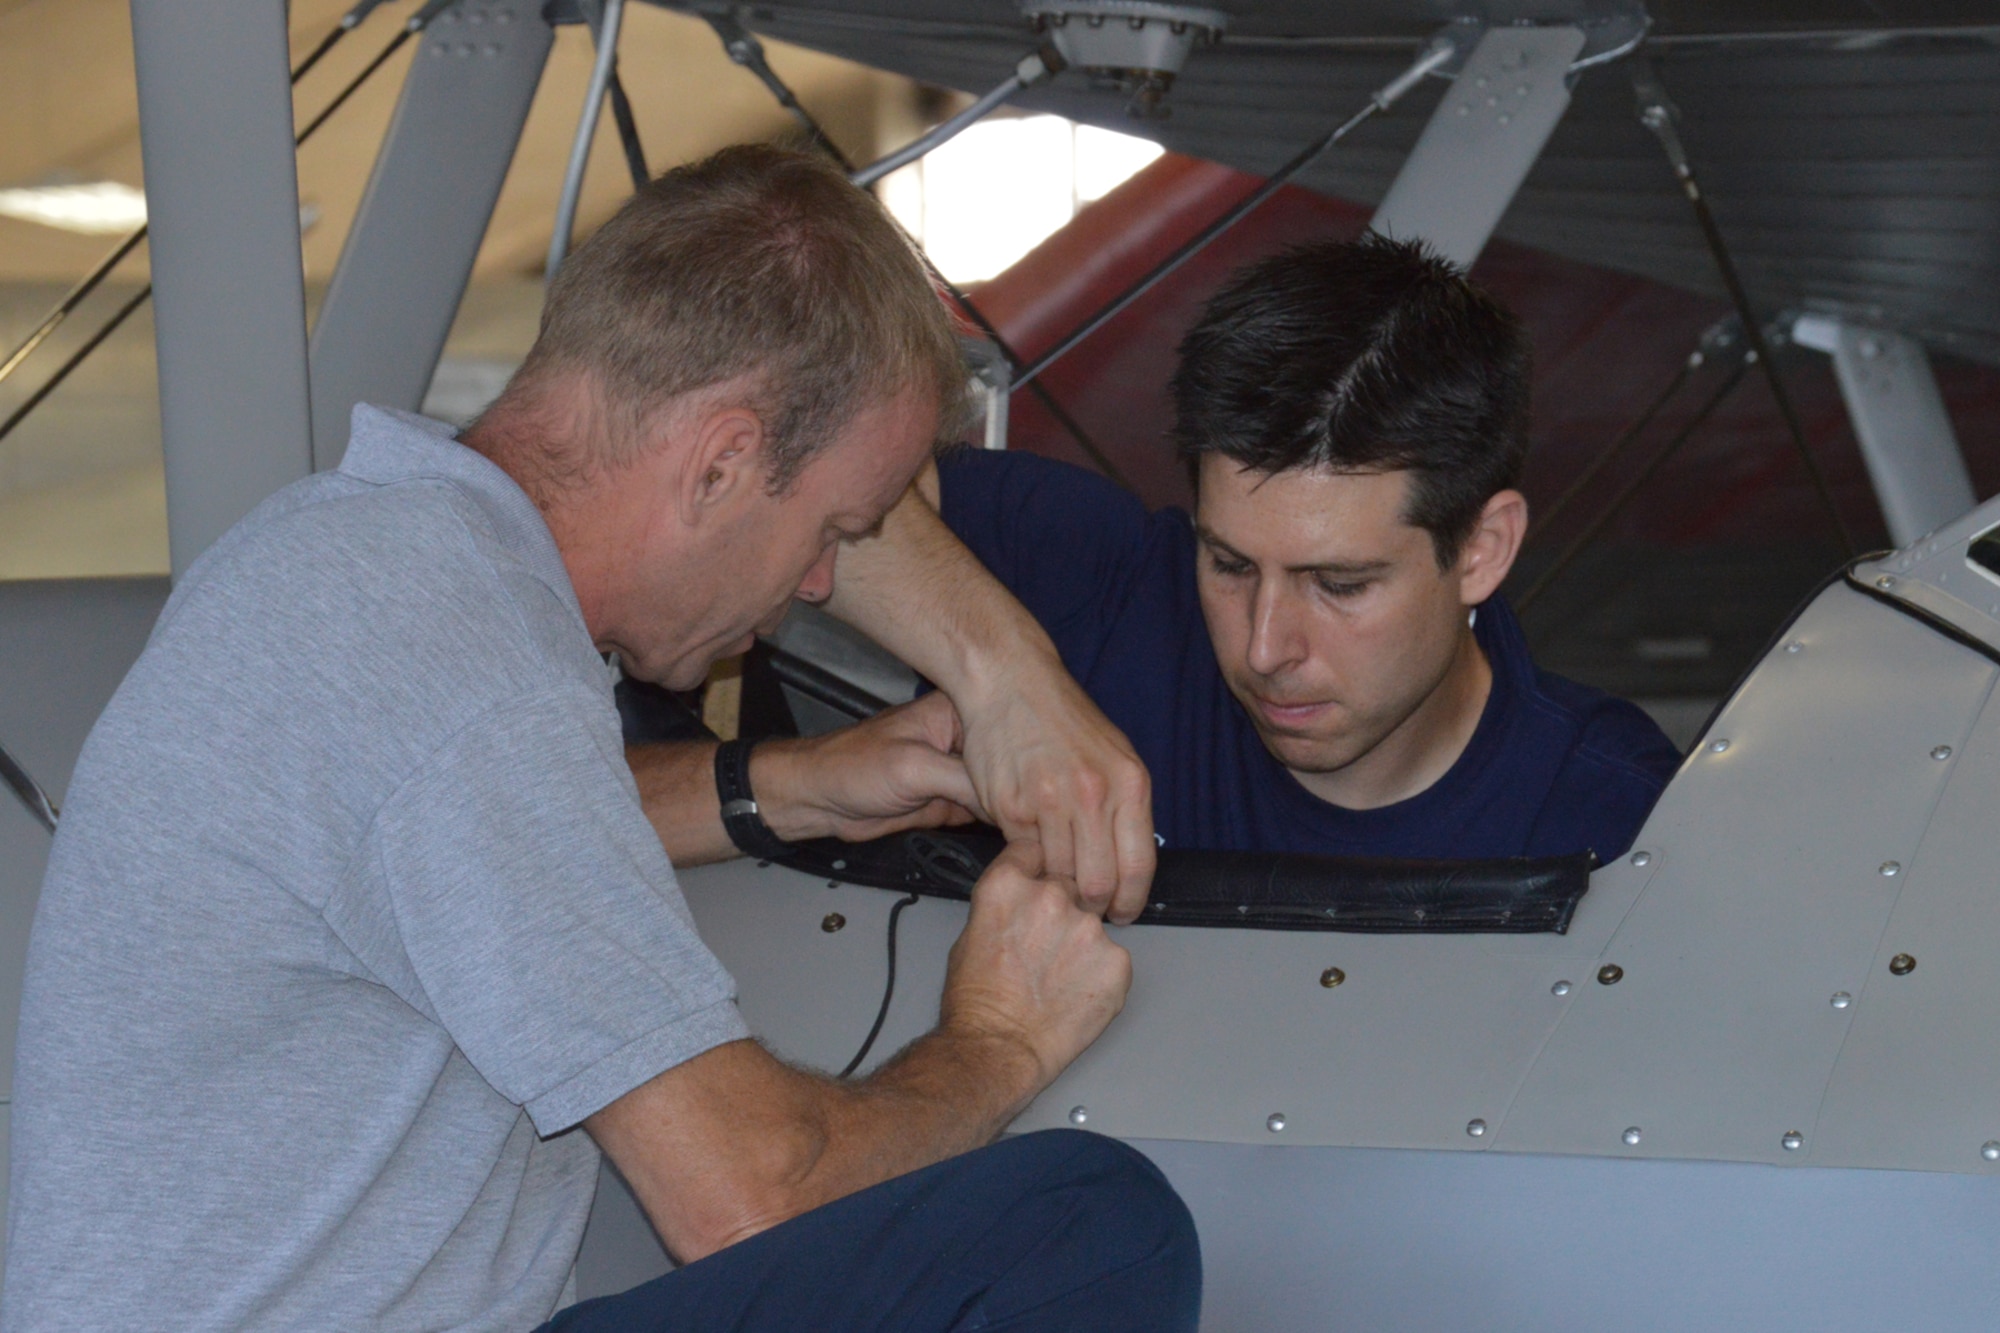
x: 888, y: 992
x: 743, y: 48
x: 91, y: 280
x: 1658, y: 114
x: 416, y: 24
x: 39, y: 805
x: 1639, y: 480
x: 1036, y: 67
x: 628, y: 133
x: 1433, y: 57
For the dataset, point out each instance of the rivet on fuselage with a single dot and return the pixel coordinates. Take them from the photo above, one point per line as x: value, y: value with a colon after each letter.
x: 1610, y: 974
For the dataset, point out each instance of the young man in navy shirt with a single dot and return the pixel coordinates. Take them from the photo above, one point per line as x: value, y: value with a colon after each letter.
x: 1318, y: 658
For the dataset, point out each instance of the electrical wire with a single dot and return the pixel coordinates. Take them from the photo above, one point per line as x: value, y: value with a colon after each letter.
x: 1435, y: 56
x: 888, y: 992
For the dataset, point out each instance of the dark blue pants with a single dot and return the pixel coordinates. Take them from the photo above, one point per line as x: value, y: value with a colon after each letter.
x: 1054, y: 1231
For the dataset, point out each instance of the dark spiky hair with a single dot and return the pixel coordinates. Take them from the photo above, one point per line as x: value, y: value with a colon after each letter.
x: 1361, y: 356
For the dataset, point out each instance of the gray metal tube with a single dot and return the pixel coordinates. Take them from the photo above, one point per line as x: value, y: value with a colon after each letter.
x: 215, y: 123
x: 939, y: 135
x: 586, y: 130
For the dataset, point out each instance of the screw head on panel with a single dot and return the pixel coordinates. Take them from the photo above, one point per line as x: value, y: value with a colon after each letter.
x: 1902, y: 965
x: 1990, y: 1150
x: 1079, y: 1115
x: 1642, y: 858
x: 1631, y: 1136
x: 1793, y: 1140
x: 1610, y: 974
x: 1717, y: 747
x: 1476, y: 1128
x: 1795, y: 647
x: 832, y: 922
x: 1560, y: 989
x: 1891, y: 869
x: 1841, y: 999
x: 1332, y: 977
x: 1940, y: 752
x: 1885, y: 583
x: 1275, y: 1122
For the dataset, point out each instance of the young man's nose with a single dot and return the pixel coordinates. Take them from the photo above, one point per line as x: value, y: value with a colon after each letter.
x: 1275, y: 638
x: 817, y: 585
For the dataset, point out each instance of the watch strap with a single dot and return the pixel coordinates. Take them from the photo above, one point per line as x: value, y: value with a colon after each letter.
x: 740, y: 816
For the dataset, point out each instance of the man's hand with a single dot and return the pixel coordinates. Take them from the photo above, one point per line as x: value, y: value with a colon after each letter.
x: 1033, y: 966
x: 1050, y: 768
x: 733, y: 1142
x: 898, y: 770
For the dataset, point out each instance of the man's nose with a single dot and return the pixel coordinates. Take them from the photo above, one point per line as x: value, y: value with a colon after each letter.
x: 817, y: 585
x: 1275, y: 642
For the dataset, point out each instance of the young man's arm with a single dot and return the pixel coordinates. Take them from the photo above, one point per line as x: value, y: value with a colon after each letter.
x: 734, y: 1142
x: 1046, y: 763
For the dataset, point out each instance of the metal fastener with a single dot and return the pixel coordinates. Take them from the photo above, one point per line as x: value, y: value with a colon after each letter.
x: 1631, y: 1136
x: 1795, y: 647
x: 1610, y: 974
x: 1561, y: 988
x: 1891, y: 869
x: 1717, y: 747
x: 1940, y: 752
x: 1332, y: 977
x: 1841, y: 999
x: 1793, y: 1140
x: 1476, y: 1128
x: 840, y: 865
x: 1642, y: 858
x: 1079, y: 1115
x: 1275, y: 1122
x: 834, y: 921
x: 1902, y: 965
x: 1885, y: 583
x: 1990, y: 1150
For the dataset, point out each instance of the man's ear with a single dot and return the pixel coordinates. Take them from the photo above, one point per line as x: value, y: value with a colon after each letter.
x: 1489, y: 552
x: 723, y: 463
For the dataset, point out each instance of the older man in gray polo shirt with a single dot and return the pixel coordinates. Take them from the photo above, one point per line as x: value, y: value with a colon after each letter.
x: 360, y: 912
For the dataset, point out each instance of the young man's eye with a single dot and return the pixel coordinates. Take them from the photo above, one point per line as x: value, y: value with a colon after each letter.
x: 1232, y: 569
x: 1343, y: 587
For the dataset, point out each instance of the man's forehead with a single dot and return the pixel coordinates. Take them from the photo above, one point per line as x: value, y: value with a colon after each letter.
x: 1238, y: 498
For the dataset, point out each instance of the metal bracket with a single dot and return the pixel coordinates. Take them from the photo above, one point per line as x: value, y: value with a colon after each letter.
x: 1900, y: 420
x: 1482, y: 140
x: 990, y: 388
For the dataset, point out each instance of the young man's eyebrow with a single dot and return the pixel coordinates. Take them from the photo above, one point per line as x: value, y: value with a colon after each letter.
x: 1342, y: 568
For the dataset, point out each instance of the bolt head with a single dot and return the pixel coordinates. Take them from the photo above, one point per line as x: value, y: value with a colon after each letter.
x: 1631, y: 1137
x: 1990, y: 1150
x: 1332, y: 977
x: 1795, y: 647
x: 1642, y: 858
x: 1717, y: 747
x: 1610, y: 974
x: 1560, y: 989
x: 1940, y: 752
x: 1476, y: 1128
x: 833, y: 921
x: 1891, y: 869
x: 1885, y: 583
x: 1275, y: 1122
x: 1841, y: 999
x: 1079, y: 1115
x: 1902, y: 965
x: 1793, y: 1140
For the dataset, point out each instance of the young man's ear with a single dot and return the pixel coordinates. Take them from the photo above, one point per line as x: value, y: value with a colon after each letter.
x: 1489, y: 552
x: 723, y: 462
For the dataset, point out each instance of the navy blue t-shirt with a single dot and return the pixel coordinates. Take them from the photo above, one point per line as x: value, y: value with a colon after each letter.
x: 1552, y: 768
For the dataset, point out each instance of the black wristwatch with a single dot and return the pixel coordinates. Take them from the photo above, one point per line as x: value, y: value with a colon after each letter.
x: 746, y: 827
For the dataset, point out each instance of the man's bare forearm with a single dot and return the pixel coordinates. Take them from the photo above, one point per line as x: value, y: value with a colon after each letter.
x: 916, y: 590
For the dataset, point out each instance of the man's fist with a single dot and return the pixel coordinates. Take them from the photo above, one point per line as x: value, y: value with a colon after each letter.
x: 1033, y: 965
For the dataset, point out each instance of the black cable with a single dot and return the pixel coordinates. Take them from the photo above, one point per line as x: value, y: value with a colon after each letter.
x: 97, y: 275
x: 1632, y: 487
x: 1617, y: 446
x: 628, y: 132
x: 888, y: 991
x: 742, y: 47
x: 1657, y: 114
x: 32, y: 796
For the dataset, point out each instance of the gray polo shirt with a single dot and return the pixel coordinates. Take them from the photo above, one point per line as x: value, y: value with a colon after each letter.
x: 352, y: 918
